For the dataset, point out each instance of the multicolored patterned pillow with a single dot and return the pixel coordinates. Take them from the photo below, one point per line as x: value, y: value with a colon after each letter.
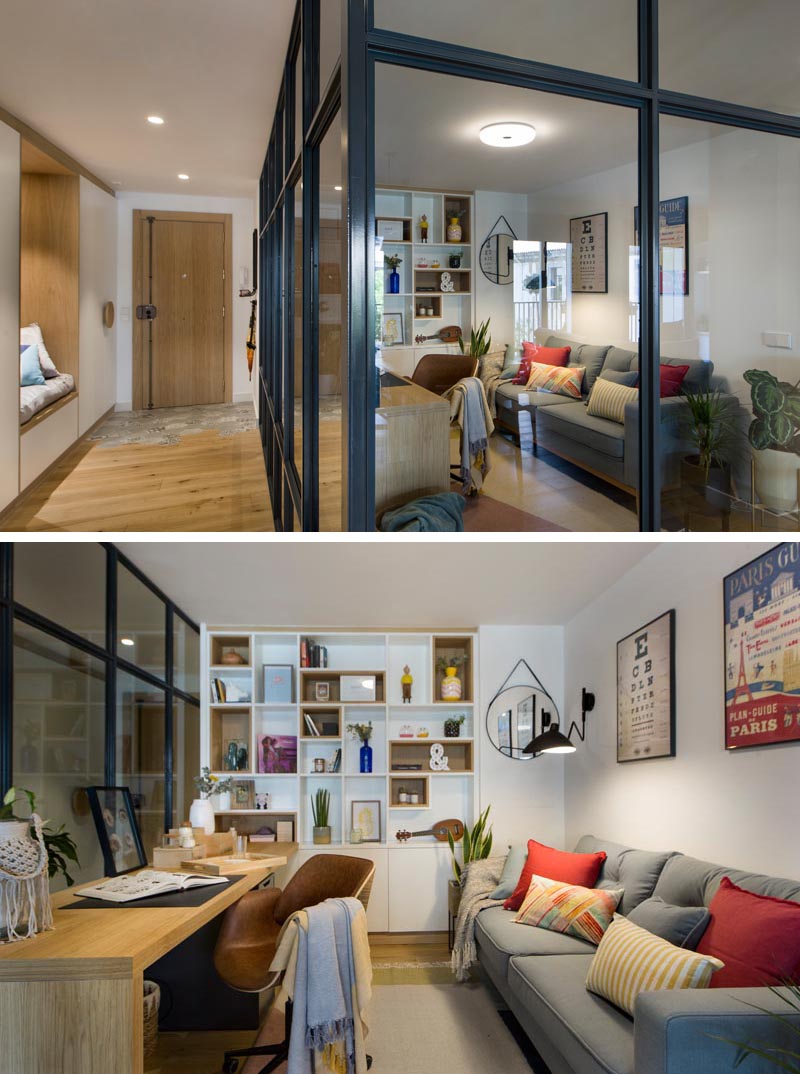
x: 631, y: 960
x: 582, y: 912
x: 560, y: 380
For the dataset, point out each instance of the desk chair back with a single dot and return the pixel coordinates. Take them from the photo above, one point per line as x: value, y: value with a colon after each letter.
x: 438, y: 372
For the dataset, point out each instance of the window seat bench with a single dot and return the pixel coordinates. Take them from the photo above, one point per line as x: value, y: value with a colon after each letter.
x: 35, y: 398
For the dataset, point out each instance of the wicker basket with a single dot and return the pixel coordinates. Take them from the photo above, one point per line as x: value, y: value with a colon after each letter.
x: 152, y: 998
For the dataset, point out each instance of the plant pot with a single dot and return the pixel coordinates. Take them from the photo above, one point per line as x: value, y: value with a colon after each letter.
x: 776, y: 479
x: 706, y: 495
x: 322, y: 835
x: 201, y: 815
x: 221, y: 802
x: 453, y: 897
x: 452, y: 728
x: 12, y: 829
x: 451, y: 686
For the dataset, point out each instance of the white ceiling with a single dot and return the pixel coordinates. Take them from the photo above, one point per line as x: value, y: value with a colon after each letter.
x: 393, y: 584
x: 87, y: 73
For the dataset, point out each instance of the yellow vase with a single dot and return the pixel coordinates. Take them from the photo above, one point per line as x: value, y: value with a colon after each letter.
x: 454, y: 231
x: 451, y: 686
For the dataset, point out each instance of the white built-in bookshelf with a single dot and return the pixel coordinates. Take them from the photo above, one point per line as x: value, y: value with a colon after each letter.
x: 249, y: 716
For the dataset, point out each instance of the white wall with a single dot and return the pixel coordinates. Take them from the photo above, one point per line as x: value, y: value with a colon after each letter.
x: 9, y: 314
x: 491, y: 299
x: 527, y: 797
x: 98, y: 285
x: 739, y: 808
x: 243, y: 211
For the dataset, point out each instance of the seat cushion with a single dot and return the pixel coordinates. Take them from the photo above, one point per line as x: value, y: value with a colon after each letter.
x: 635, y: 871
x: 36, y: 397
x: 592, y: 1035
x: 514, y: 397
x: 599, y: 434
x: 499, y: 938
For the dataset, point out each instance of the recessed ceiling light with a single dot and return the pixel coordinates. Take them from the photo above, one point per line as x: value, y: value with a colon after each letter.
x: 183, y: 176
x: 337, y: 188
x: 127, y: 641
x: 157, y: 121
x: 506, y: 135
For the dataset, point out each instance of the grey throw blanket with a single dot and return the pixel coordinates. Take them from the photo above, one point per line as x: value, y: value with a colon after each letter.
x: 479, y: 880
x: 470, y: 411
x: 439, y: 512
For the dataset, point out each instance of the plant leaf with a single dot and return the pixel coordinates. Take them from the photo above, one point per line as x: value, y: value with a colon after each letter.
x: 780, y: 427
x: 767, y: 396
x: 759, y: 434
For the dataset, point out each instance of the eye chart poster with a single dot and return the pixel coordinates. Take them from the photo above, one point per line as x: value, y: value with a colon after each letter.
x: 588, y: 236
x: 646, y: 691
x: 762, y: 650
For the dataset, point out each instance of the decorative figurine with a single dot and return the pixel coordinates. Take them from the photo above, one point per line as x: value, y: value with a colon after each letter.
x: 406, y: 731
x: 231, y: 756
x: 423, y: 228
x: 407, y: 680
x: 438, y: 761
x: 241, y: 758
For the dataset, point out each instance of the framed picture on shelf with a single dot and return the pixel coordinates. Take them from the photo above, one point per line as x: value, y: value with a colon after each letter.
x: 322, y: 691
x: 278, y: 681
x: 117, y: 829
x: 277, y: 754
x: 646, y: 691
x: 389, y: 230
x: 244, y: 794
x: 366, y: 816
x: 588, y: 238
x: 762, y: 650
x: 392, y: 332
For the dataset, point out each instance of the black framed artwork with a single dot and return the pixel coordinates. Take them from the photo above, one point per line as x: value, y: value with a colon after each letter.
x: 588, y: 236
x: 646, y: 691
x: 761, y: 601
x: 117, y: 829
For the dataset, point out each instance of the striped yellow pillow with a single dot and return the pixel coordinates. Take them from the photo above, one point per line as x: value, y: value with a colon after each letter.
x: 631, y: 960
x: 608, y: 400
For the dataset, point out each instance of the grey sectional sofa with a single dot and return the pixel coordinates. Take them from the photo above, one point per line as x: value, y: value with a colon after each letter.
x: 542, y: 976
x: 604, y: 448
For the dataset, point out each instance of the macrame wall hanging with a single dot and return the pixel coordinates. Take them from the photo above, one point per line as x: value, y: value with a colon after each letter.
x: 24, y: 885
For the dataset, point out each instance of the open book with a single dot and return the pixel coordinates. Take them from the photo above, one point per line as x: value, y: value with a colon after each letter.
x: 147, y: 882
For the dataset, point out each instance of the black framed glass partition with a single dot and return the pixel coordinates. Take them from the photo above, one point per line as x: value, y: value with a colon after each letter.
x: 627, y: 110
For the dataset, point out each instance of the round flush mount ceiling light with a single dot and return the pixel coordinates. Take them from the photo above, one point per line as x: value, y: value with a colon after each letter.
x: 157, y: 121
x: 183, y: 176
x: 506, y: 135
x: 127, y: 641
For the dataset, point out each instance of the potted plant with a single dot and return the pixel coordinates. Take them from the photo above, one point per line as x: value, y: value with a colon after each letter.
x: 362, y: 731
x: 451, y: 684
x: 320, y: 812
x: 201, y: 811
x: 394, y: 276
x: 711, y: 427
x: 774, y: 435
x: 60, y: 845
x: 477, y: 844
x: 479, y: 342
x: 452, y: 725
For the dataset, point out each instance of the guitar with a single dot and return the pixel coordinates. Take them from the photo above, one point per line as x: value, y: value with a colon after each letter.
x: 451, y: 334
x: 251, y: 339
x: 438, y: 831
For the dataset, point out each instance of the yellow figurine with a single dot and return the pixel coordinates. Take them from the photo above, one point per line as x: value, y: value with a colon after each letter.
x: 406, y: 679
x: 423, y: 228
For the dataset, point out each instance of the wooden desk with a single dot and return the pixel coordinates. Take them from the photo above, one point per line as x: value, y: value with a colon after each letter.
x: 412, y: 445
x: 71, y: 999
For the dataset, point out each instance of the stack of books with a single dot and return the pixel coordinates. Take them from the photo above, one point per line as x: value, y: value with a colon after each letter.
x: 218, y: 692
x: 313, y: 655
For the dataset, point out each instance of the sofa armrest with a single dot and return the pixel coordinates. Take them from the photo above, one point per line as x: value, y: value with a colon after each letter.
x: 671, y: 415
x: 677, y: 1031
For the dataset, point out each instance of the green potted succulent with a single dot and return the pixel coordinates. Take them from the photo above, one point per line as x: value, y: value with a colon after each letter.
x: 452, y: 725
x: 476, y: 845
x: 711, y: 427
x: 320, y: 812
x: 479, y: 342
x: 774, y: 436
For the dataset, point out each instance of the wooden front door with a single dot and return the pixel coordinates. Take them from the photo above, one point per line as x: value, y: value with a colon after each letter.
x: 180, y: 353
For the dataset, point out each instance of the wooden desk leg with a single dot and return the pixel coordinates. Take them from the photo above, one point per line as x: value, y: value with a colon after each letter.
x: 71, y: 1026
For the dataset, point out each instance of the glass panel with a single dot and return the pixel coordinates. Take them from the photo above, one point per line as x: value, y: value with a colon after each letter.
x: 568, y: 33
x: 59, y: 736
x: 726, y: 192
x: 65, y: 583
x: 185, y: 656
x: 298, y: 103
x: 185, y: 757
x: 535, y: 240
x: 141, y: 623
x: 330, y: 43
x: 140, y: 753
x: 732, y: 50
x: 331, y: 336
x: 298, y: 328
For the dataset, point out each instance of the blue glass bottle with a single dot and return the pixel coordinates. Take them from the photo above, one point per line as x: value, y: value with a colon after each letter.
x: 365, y: 758
x: 394, y: 282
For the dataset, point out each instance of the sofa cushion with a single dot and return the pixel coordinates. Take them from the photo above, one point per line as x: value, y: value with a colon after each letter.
x: 599, y: 434
x: 546, y: 861
x: 636, y: 871
x: 589, y: 1032
x: 621, y: 360
x: 608, y: 399
x: 585, y: 354
x: 545, y: 355
x: 681, y: 925
x: 569, y: 908
x: 628, y: 377
x: 559, y: 381
x: 516, y: 397
x: 499, y: 937
x: 512, y: 868
x: 687, y: 881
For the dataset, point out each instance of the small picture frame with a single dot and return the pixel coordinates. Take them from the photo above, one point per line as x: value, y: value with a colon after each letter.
x: 322, y: 691
x: 392, y: 330
x: 389, y: 230
x: 243, y: 794
x: 117, y: 829
x: 365, y: 815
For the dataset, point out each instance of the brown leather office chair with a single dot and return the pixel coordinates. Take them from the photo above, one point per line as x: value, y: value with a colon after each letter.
x: 250, y: 929
x: 438, y: 372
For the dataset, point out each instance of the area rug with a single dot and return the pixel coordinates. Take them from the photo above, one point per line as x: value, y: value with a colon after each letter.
x: 166, y: 425
x: 482, y: 514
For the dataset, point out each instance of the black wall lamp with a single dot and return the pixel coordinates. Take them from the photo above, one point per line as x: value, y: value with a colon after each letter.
x: 551, y: 740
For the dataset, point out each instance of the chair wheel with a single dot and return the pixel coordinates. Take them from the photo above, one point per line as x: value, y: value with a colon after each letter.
x: 230, y: 1066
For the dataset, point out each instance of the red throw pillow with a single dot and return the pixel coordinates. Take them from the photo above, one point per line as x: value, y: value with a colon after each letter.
x: 671, y: 379
x: 532, y: 352
x: 756, y: 936
x: 580, y: 869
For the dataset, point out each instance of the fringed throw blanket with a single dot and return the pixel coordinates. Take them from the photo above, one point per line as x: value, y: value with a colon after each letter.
x: 479, y: 881
x: 24, y: 885
x: 470, y: 411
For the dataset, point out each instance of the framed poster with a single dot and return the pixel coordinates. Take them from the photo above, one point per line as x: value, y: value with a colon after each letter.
x: 762, y: 650
x: 588, y: 236
x: 393, y: 334
x: 673, y: 245
x: 117, y: 829
x: 366, y: 816
x: 646, y: 691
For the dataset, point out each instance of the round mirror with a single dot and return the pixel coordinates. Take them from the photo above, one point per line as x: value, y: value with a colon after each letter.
x: 496, y: 255
x: 514, y: 718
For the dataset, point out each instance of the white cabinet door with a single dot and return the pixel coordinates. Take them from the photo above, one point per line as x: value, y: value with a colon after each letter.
x: 9, y: 314
x: 378, y: 908
x: 418, y: 888
x: 399, y: 360
x: 97, y: 376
